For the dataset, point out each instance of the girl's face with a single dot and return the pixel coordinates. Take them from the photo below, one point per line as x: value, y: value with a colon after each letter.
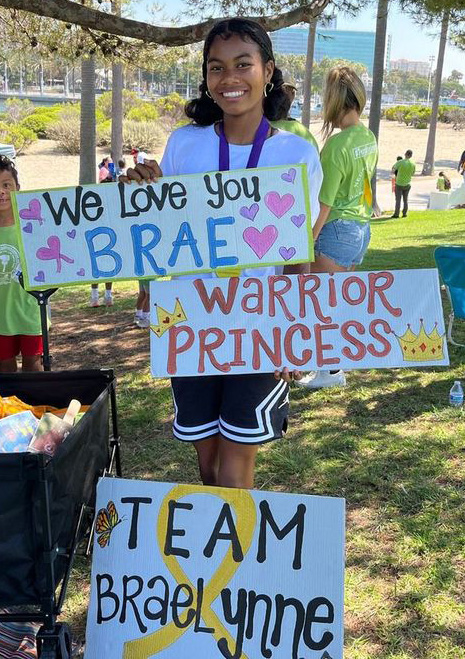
x: 236, y: 75
x: 7, y: 186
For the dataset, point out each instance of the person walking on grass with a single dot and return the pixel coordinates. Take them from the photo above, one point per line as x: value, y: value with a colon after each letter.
x: 404, y: 170
x: 348, y: 159
x: 240, y: 93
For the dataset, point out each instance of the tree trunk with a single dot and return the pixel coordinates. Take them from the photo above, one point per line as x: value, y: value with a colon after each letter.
x: 378, y: 75
x: 117, y: 102
x: 308, y: 74
x: 117, y: 112
x: 428, y: 166
x: 87, y: 164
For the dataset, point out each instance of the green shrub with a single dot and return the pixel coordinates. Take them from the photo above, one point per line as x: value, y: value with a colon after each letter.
x: 171, y: 109
x: 67, y: 133
x: 130, y: 100
x: 19, y: 136
x: 17, y: 109
x: 104, y: 133
x: 143, y: 112
x: 39, y: 123
x: 144, y: 135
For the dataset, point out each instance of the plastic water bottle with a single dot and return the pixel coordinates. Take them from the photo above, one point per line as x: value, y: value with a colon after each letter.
x: 456, y: 394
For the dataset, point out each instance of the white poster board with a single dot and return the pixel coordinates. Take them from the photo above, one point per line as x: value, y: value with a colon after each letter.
x: 187, y: 571
x: 180, y: 224
x: 307, y: 322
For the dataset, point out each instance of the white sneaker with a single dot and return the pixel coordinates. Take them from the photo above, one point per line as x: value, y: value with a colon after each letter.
x: 322, y: 379
x: 143, y: 323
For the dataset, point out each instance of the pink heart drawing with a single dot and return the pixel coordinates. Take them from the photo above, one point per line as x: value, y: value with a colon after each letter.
x: 81, y: 272
x: 289, y: 176
x: 27, y: 228
x: 260, y: 241
x: 279, y: 205
x: 298, y: 220
x: 40, y: 276
x: 53, y: 252
x: 71, y: 234
x: 249, y: 212
x: 287, y: 253
x: 33, y: 212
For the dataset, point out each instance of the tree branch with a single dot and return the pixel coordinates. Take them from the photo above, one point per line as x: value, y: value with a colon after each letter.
x: 72, y: 12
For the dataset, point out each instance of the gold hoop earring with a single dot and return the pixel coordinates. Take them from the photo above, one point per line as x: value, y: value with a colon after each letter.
x: 208, y: 94
x: 268, y: 88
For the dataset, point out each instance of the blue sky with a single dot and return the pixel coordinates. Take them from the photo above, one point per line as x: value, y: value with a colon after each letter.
x: 409, y: 41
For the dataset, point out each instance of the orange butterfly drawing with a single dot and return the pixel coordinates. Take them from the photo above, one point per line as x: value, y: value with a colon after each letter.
x: 107, y: 519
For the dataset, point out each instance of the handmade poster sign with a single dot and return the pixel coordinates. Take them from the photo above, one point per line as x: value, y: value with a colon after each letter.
x: 306, y: 322
x: 197, y: 223
x: 187, y: 571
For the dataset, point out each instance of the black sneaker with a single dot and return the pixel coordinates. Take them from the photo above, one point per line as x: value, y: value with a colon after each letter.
x: 394, y: 217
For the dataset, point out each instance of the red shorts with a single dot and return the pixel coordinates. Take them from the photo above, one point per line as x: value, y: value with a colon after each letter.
x: 27, y: 345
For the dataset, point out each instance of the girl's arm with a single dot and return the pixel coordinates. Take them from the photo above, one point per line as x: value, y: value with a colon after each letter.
x: 322, y: 217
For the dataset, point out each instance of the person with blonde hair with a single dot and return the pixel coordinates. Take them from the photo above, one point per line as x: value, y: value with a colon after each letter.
x: 348, y: 158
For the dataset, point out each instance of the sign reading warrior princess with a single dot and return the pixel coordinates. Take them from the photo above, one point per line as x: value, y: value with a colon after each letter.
x: 184, y: 224
x: 316, y: 321
x: 194, y: 572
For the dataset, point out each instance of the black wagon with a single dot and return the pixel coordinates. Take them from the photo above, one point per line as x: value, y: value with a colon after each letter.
x: 47, y: 504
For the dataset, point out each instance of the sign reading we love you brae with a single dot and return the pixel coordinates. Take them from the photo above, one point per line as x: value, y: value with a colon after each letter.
x: 194, y: 572
x: 195, y: 223
x: 308, y: 322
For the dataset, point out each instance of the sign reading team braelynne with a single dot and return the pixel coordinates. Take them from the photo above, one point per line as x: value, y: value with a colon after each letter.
x: 306, y: 322
x: 184, y: 571
x: 179, y: 225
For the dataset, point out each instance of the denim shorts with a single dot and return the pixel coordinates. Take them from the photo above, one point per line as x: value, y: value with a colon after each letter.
x: 344, y: 241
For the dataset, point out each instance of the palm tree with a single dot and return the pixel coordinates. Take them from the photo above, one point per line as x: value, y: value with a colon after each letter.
x: 87, y: 163
x: 117, y: 101
x: 378, y: 74
x: 428, y: 165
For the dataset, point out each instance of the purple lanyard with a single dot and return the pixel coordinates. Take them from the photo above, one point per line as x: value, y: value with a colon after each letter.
x: 258, y: 142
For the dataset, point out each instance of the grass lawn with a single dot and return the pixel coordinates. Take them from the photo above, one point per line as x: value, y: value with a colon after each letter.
x: 389, y: 443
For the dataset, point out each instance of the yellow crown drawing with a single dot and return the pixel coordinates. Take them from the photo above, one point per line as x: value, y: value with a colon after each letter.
x: 422, y: 347
x: 167, y: 320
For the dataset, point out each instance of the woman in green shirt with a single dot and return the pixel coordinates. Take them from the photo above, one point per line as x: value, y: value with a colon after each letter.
x: 348, y: 158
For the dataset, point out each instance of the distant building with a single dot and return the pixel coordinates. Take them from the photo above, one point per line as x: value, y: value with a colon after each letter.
x: 410, y: 66
x: 335, y: 44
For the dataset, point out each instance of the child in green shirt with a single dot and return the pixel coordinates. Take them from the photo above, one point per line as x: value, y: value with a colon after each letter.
x: 20, y: 330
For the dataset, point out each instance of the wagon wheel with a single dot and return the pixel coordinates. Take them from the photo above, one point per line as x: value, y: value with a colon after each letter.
x: 58, y: 647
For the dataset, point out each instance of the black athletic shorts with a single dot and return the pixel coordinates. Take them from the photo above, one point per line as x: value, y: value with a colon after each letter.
x: 250, y: 409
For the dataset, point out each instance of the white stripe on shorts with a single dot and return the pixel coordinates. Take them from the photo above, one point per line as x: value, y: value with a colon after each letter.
x: 264, y: 428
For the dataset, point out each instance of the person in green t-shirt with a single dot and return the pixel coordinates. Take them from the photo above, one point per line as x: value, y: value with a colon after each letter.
x: 348, y: 159
x: 20, y: 329
x: 404, y: 170
x: 292, y: 125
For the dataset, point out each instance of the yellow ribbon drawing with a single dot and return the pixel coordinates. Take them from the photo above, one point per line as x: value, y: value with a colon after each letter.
x: 244, y: 507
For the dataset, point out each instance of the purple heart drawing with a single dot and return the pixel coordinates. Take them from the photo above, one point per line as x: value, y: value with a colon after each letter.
x: 249, y: 212
x: 27, y: 228
x: 260, y: 241
x: 32, y: 212
x: 289, y: 176
x: 81, y: 272
x: 298, y: 220
x: 40, y: 276
x: 71, y: 234
x: 287, y: 253
x: 279, y: 205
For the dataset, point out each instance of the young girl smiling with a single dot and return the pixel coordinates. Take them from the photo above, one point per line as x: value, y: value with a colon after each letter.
x: 226, y: 417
